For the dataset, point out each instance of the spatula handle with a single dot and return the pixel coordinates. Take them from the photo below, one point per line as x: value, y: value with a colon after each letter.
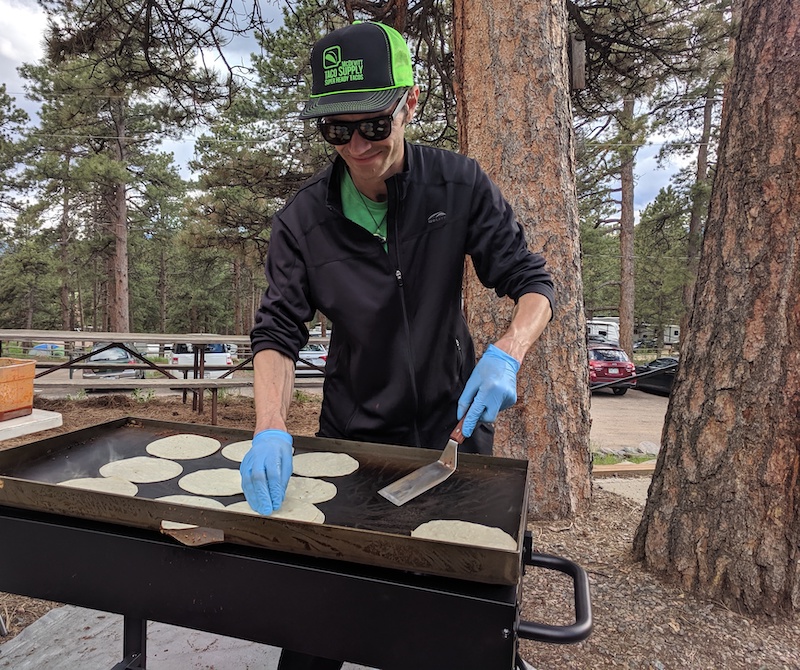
x: 457, y: 433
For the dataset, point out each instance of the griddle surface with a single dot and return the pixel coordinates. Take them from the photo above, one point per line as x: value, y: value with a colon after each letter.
x: 485, y: 490
x: 478, y: 494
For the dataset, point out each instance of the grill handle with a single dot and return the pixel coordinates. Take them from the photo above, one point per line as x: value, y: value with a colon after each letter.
x: 576, y: 632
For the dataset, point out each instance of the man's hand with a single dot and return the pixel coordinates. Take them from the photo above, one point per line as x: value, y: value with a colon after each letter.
x: 492, y: 387
x: 266, y: 469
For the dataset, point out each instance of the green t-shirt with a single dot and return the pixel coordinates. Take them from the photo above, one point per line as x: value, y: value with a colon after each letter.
x: 368, y: 214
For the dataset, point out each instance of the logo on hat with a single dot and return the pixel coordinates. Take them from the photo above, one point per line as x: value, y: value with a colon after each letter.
x: 331, y: 57
x: 338, y: 71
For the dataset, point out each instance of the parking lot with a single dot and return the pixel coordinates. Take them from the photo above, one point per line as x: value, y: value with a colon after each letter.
x: 627, y: 420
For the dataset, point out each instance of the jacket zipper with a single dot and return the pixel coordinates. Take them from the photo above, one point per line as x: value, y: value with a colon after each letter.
x: 399, y: 278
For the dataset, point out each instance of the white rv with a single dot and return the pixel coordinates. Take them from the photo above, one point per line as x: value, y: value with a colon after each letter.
x: 608, y: 330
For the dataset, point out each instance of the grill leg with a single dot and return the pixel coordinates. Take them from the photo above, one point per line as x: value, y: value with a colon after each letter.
x: 134, y: 644
x: 293, y: 660
x: 519, y: 664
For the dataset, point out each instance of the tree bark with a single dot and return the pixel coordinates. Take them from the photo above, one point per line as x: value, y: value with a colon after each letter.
x: 162, y: 295
x: 723, y: 516
x: 65, y: 290
x: 237, y: 297
x: 699, y: 209
x: 512, y: 86
x: 626, y: 227
x: 119, y: 309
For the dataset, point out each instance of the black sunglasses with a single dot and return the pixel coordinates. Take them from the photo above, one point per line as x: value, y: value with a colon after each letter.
x: 373, y: 130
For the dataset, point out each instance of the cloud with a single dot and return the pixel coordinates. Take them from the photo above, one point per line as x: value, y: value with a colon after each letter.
x: 21, y: 30
x: 21, y: 41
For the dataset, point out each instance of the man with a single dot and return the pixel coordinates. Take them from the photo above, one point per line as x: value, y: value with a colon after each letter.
x: 377, y: 243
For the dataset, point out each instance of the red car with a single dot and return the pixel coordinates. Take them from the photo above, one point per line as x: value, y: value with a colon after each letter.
x: 609, y: 363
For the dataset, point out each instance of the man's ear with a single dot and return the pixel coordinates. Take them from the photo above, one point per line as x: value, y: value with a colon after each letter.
x: 411, y: 103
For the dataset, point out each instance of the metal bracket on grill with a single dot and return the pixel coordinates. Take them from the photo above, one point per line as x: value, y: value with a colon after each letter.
x: 129, y: 663
x: 195, y: 536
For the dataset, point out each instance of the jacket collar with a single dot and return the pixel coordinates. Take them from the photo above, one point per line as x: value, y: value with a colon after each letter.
x: 333, y: 175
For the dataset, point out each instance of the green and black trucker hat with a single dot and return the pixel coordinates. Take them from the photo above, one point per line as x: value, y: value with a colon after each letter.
x: 359, y: 69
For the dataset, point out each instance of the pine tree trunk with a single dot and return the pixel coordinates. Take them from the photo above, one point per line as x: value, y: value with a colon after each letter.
x: 63, y: 245
x: 514, y: 117
x: 626, y: 224
x: 723, y: 517
x: 162, y: 296
x: 698, y: 211
x: 237, y: 297
x: 119, y: 309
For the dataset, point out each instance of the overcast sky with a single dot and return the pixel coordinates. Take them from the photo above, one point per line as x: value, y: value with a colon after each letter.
x: 22, y: 25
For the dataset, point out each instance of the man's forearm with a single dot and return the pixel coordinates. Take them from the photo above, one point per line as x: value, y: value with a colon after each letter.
x: 531, y: 314
x: 273, y: 384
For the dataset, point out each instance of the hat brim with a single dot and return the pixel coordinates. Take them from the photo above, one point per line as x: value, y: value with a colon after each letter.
x: 353, y: 102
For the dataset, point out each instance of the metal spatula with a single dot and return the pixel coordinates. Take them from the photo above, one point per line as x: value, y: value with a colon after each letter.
x: 425, y: 478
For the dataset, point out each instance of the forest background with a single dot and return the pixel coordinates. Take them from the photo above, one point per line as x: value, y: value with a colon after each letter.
x: 102, y: 227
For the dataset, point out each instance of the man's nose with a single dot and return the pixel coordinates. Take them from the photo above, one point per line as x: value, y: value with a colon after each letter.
x: 358, y: 145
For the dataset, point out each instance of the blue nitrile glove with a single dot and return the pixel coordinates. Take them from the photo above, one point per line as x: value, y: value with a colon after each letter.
x: 266, y: 469
x: 491, y: 387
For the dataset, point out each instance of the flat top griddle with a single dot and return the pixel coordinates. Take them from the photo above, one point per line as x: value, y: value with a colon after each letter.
x: 359, y: 524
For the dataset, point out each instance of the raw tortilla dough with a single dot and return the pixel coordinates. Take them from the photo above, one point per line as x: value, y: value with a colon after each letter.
x: 183, y: 446
x: 291, y: 509
x: 103, y: 484
x: 465, y: 532
x: 310, y: 490
x: 323, y: 464
x: 235, y: 451
x: 142, y: 469
x: 197, y: 501
x: 213, y: 482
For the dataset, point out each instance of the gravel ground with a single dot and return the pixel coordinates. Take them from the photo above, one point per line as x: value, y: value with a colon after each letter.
x: 639, y: 621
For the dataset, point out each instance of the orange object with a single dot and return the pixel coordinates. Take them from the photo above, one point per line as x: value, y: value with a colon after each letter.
x: 16, y: 387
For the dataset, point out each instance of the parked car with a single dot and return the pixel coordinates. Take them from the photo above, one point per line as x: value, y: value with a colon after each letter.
x: 645, y: 344
x: 314, y: 353
x: 609, y: 363
x: 47, y: 349
x: 114, y: 356
x: 658, y: 375
x: 214, y: 355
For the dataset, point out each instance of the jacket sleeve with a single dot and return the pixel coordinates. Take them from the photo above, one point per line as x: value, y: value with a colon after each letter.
x: 284, y: 310
x: 496, y: 242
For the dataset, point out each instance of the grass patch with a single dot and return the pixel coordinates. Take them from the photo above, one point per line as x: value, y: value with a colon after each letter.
x: 613, y: 459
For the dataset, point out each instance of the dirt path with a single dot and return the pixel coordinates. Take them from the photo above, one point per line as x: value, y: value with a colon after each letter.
x: 627, y: 421
x: 633, y: 421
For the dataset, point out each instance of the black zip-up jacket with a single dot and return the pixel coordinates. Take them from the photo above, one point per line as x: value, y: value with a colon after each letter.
x: 400, y: 352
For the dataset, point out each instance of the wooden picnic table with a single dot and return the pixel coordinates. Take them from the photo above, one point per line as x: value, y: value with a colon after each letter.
x: 13, y: 335
x: 197, y: 386
x: 124, y: 341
